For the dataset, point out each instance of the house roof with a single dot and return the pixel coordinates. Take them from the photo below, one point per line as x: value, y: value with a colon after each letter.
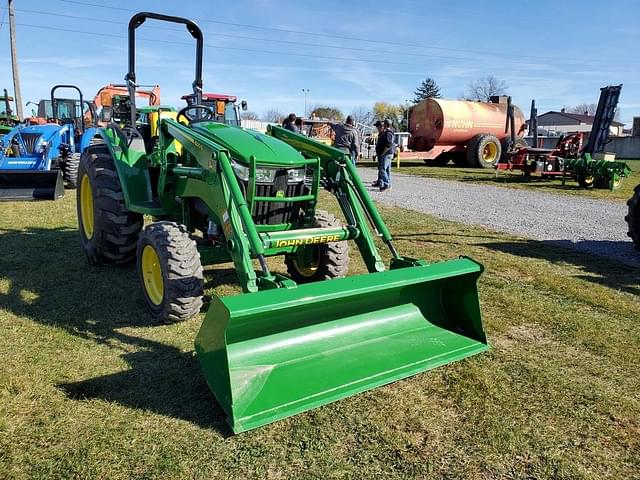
x: 580, y: 118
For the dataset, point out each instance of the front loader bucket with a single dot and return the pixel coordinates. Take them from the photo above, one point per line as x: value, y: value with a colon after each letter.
x: 275, y: 353
x: 31, y: 185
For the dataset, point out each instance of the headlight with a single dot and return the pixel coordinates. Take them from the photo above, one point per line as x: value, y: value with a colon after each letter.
x: 296, y: 175
x: 241, y: 171
x: 265, y: 175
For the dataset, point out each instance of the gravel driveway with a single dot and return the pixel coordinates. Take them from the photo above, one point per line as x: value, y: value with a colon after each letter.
x: 593, y: 226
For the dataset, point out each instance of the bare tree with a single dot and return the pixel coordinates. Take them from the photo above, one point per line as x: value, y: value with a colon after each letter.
x: 361, y: 114
x: 486, y: 87
x: 249, y: 116
x: 273, y: 115
x: 584, y: 109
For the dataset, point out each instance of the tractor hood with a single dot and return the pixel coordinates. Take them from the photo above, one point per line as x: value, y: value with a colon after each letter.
x: 34, y: 135
x: 243, y: 143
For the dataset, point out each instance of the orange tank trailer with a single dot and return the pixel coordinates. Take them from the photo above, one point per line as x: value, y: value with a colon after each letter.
x: 440, y: 126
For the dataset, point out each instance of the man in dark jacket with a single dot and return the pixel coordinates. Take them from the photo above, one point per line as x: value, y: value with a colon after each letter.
x: 347, y: 138
x: 385, y: 149
x: 290, y: 123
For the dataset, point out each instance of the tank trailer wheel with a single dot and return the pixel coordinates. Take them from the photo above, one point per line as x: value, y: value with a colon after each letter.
x: 169, y: 269
x: 483, y: 151
x: 69, y: 168
x: 108, y: 231
x: 313, y: 263
x: 633, y: 217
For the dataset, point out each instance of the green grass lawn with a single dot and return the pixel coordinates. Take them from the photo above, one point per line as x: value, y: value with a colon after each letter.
x: 90, y: 388
x: 516, y: 179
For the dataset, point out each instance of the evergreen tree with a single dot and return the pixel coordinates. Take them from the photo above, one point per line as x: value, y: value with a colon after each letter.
x: 427, y: 89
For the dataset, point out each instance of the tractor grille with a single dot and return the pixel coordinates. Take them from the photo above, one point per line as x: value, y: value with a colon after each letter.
x: 274, y: 213
x: 30, y: 140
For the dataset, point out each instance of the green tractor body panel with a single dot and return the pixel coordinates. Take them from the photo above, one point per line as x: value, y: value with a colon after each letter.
x: 244, y: 144
x: 273, y: 354
x: 281, y: 348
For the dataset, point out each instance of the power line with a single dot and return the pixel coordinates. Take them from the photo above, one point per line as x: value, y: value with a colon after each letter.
x: 341, y: 37
x: 291, y: 42
x: 4, y: 15
x: 271, y: 52
x: 259, y: 39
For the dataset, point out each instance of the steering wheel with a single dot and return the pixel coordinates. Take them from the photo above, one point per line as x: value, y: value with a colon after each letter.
x: 186, y: 112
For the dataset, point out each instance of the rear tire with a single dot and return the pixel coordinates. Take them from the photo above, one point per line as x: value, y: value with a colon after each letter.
x: 108, y: 231
x: 170, y: 272
x: 69, y: 167
x: 326, y: 261
x: 633, y: 217
x: 483, y: 151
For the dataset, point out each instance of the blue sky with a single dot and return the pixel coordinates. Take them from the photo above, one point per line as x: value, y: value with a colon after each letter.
x: 347, y: 53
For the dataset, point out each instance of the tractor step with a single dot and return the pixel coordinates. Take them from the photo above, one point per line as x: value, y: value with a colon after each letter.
x: 272, y: 354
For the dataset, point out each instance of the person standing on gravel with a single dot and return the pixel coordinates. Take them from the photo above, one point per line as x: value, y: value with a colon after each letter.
x: 385, y: 148
x: 347, y: 138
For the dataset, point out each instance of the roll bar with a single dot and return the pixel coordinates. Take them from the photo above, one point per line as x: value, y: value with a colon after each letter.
x: 137, y: 20
x: 54, y: 103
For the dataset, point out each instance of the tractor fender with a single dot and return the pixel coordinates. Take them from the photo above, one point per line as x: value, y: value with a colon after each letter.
x: 88, y: 135
x: 132, y: 169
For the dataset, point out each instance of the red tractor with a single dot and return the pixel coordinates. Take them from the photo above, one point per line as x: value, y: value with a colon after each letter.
x: 225, y: 107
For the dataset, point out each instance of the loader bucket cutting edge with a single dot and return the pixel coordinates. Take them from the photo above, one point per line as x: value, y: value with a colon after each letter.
x: 30, y: 185
x: 272, y: 354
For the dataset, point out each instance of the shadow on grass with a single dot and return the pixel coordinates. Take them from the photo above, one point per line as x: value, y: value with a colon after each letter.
x: 51, y: 283
x: 615, y: 272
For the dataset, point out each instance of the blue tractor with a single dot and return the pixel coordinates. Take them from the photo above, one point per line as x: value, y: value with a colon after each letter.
x: 37, y: 161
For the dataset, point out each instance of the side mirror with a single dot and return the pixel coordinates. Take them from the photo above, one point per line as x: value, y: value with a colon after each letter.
x: 107, y: 114
x: 243, y: 105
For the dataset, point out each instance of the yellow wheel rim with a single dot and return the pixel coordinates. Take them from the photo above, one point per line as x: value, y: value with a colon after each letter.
x: 306, y: 266
x: 490, y: 152
x: 152, y: 275
x: 86, y: 206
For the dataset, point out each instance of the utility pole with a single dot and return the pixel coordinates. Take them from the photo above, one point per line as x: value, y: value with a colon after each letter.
x: 407, y: 104
x: 305, y: 91
x: 14, y: 62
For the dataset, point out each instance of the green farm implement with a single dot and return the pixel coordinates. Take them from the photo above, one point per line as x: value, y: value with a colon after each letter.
x: 218, y: 193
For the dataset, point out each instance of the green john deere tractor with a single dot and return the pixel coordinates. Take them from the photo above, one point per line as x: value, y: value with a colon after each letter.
x: 218, y: 193
x: 7, y: 119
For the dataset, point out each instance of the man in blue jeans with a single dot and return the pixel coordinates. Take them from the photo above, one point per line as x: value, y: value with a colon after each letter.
x: 385, y: 149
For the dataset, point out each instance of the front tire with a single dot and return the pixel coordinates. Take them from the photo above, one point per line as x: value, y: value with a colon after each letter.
x: 108, y: 231
x: 69, y: 167
x: 326, y: 261
x: 170, y: 272
x: 585, y: 180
